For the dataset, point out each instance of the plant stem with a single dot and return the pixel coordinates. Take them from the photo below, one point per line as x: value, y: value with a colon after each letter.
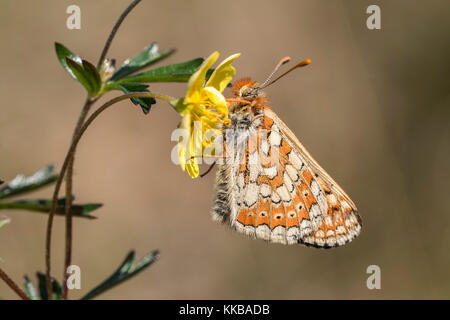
x: 69, y: 178
x: 81, y: 119
x: 13, y: 285
x: 114, y: 30
x: 66, y: 163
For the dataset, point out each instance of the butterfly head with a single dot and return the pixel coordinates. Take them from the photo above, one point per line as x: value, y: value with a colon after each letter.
x: 246, y: 89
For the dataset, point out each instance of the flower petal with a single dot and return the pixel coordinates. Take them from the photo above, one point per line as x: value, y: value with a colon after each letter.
x: 223, y: 74
x: 217, y: 99
x: 197, y: 80
x: 196, y: 150
x: 182, y: 156
x: 183, y: 141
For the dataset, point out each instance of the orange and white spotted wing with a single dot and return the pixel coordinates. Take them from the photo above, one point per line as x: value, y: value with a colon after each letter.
x: 274, y: 190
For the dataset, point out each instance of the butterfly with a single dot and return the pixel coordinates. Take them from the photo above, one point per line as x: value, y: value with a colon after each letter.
x: 269, y: 187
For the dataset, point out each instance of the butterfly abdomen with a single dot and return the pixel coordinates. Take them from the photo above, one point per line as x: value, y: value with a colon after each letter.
x: 221, y: 208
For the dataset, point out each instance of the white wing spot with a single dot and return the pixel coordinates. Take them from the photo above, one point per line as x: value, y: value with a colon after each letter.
x: 292, y: 172
x: 275, y: 139
x: 305, y: 227
x: 275, y: 198
x: 265, y: 190
x: 284, y: 194
x: 292, y: 235
x: 295, y: 160
x: 263, y: 232
x: 251, y: 194
x: 340, y: 230
x: 278, y: 235
x: 271, y: 172
x: 319, y: 234
x: 330, y: 233
x: 265, y: 147
x: 288, y: 183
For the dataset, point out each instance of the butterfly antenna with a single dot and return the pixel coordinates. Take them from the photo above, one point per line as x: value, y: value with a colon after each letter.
x: 299, y: 65
x: 282, y: 61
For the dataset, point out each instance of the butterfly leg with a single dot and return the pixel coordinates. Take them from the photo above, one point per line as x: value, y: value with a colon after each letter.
x: 207, y: 171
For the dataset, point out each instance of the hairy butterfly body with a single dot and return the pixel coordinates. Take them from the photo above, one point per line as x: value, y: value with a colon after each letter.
x: 269, y: 187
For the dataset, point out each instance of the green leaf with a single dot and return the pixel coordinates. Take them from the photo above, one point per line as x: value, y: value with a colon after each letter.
x: 44, y: 206
x: 21, y: 184
x: 179, y: 72
x: 149, y: 56
x: 94, y: 74
x: 127, y: 269
x: 4, y: 220
x: 57, y: 290
x: 42, y: 285
x: 62, y: 52
x: 30, y: 290
x: 131, y: 87
x: 56, y: 286
x: 86, y: 74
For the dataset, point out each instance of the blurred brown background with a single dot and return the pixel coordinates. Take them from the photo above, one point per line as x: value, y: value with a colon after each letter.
x: 372, y: 108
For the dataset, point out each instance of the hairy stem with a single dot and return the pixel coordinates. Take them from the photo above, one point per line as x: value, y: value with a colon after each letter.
x: 69, y: 182
x: 114, y: 30
x: 13, y: 285
x: 81, y: 119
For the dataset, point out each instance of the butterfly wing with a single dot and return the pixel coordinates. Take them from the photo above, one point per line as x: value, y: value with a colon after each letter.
x: 339, y: 221
x: 274, y: 190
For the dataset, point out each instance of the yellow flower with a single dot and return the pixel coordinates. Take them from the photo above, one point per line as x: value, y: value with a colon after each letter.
x: 203, y: 106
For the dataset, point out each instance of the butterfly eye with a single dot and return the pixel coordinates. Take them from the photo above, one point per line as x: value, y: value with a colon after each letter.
x: 292, y: 214
x: 278, y: 216
x: 300, y: 206
x: 263, y: 214
x: 306, y: 193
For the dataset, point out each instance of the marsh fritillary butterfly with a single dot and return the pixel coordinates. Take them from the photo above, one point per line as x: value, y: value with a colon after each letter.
x: 269, y: 187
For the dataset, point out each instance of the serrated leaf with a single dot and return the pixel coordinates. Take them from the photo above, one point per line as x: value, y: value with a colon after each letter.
x: 42, y: 284
x: 62, y: 52
x: 127, y: 269
x: 4, y: 220
x: 131, y: 87
x: 22, y: 184
x: 149, y: 56
x: 44, y: 206
x: 179, y: 72
x: 85, y: 75
x: 30, y: 290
